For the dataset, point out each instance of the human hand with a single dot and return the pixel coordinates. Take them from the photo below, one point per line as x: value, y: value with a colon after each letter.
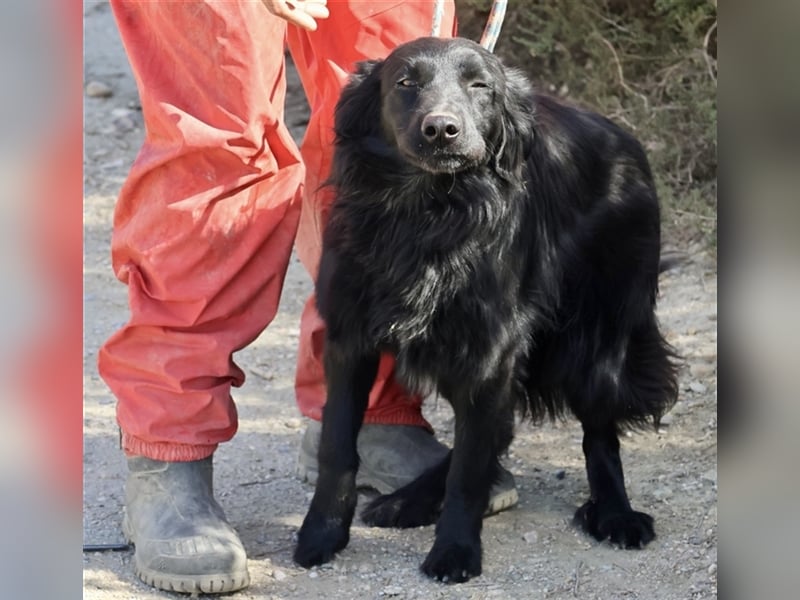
x: 302, y: 13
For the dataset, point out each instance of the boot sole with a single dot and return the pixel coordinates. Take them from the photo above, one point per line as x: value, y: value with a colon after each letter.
x: 217, y: 583
x: 502, y: 501
x: 498, y: 502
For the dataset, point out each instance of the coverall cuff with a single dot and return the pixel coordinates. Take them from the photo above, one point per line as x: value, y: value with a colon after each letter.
x: 165, y: 451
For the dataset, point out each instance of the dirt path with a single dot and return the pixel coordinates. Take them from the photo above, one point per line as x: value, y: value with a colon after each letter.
x: 530, y: 552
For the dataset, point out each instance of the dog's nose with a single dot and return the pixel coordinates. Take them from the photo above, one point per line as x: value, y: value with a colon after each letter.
x: 441, y: 127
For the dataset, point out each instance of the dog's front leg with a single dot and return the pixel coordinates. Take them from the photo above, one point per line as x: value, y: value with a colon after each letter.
x: 326, y: 528
x: 483, y: 430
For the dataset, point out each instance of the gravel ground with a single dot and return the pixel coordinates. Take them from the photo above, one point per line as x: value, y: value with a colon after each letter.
x: 531, y: 551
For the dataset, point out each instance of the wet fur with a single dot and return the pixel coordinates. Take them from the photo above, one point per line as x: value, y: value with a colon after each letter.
x: 512, y: 267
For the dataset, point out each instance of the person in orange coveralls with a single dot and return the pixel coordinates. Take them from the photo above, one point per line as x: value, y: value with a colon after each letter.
x: 203, y: 232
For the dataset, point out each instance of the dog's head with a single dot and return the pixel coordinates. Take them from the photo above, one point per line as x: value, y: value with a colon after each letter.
x: 442, y: 106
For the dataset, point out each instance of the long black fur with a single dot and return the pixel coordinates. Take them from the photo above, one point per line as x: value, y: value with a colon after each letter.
x: 504, y: 247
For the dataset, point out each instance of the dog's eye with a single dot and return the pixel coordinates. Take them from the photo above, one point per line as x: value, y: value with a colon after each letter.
x: 479, y: 85
x: 407, y: 83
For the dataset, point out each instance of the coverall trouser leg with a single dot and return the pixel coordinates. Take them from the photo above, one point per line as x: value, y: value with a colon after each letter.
x: 204, y: 225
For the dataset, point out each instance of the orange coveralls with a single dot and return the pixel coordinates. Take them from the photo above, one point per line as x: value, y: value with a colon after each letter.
x: 204, y: 225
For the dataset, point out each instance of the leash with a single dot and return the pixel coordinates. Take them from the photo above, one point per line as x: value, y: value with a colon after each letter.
x: 493, y: 24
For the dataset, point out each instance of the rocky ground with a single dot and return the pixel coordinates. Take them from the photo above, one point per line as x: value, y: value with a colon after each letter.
x: 531, y: 551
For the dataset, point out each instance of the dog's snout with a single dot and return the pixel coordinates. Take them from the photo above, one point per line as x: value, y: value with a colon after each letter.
x: 441, y: 127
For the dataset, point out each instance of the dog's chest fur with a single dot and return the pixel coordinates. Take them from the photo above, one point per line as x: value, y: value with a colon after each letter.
x: 442, y: 295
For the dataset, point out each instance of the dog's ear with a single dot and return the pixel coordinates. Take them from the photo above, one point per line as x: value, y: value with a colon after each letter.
x: 358, y: 112
x: 516, y: 126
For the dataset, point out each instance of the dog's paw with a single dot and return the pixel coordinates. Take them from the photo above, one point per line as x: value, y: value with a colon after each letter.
x: 626, y: 529
x: 393, y: 510
x: 453, y: 562
x: 319, y: 539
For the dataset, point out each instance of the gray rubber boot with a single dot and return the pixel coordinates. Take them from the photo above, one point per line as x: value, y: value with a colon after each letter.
x: 183, y: 541
x: 392, y: 456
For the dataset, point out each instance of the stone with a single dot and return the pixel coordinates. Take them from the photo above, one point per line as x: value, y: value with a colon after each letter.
x: 98, y: 89
x: 697, y: 387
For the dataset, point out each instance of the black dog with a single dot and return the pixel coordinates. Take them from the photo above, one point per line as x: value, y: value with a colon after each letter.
x: 505, y: 249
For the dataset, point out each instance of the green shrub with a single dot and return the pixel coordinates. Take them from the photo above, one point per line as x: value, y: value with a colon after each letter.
x: 650, y: 65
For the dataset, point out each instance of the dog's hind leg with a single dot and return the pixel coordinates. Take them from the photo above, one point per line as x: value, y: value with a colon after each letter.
x: 413, y: 505
x: 640, y: 389
x: 608, y: 513
x: 326, y: 528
